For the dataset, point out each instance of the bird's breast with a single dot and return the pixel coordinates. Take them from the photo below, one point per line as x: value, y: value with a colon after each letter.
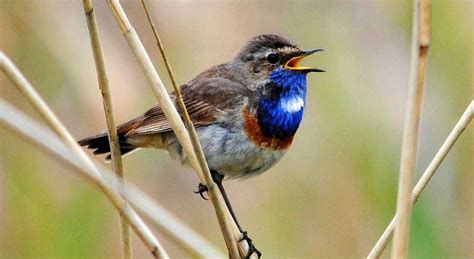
x: 275, y: 116
x: 256, y: 133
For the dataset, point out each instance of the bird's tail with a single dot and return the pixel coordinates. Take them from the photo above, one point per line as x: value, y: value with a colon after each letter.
x: 100, y: 144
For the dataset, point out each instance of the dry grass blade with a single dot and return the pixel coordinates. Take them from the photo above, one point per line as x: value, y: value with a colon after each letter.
x: 12, y: 72
x: 462, y: 124
x: 420, y: 44
x: 194, y: 152
x: 109, y: 115
x: 166, y: 223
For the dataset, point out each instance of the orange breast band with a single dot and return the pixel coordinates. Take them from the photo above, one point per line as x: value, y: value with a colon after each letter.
x: 254, y: 132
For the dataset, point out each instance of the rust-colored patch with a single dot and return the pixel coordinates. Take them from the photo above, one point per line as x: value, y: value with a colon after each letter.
x: 254, y: 132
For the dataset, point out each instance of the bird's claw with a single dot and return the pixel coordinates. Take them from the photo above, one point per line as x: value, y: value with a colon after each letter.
x: 201, y: 190
x: 252, y: 248
x: 245, y: 237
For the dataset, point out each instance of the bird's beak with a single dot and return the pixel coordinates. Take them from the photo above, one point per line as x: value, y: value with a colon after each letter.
x: 292, y: 64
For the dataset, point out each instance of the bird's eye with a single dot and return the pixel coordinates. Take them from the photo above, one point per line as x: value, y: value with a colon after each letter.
x: 273, y: 58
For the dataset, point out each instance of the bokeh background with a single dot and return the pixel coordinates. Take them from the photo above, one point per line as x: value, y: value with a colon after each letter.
x: 333, y: 193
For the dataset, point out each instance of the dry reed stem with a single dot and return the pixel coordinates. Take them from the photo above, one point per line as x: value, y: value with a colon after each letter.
x: 197, y: 159
x: 116, y: 156
x: 166, y: 223
x: 420, y: 44
x: 155, y: 82
x: 25, y: 88
x: 243, y: 246
x: 461, y: 125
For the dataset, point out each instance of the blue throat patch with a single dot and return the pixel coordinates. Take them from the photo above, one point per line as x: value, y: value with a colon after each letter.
x: 280, y: 114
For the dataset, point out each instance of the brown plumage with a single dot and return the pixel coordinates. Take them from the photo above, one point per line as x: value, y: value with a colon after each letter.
x: 206, y: 100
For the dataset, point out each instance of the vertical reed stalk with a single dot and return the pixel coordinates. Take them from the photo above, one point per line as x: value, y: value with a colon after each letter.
x: 27, y: 90
x: 116, y: 156
x: 420, y: 44
x: 461, y: 125
x: 198, y: 162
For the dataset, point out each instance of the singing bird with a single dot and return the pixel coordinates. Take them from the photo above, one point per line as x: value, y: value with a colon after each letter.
x: 246, y: 113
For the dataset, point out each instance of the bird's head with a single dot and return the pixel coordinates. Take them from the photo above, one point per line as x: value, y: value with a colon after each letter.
x: 265, y: 54
x: 269, y: 66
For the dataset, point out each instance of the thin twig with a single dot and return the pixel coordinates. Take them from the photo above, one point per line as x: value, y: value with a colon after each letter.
x: 243, y: 247
x: 228, y: 227
x: 25, y: 88
x: 461, y: 125
x: 116, y: 156
x: 166, y: 223
x: 421, y: 41
x: 165, y: 59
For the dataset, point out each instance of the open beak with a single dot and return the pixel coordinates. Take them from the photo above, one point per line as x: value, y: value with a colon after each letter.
x: 292, y: 64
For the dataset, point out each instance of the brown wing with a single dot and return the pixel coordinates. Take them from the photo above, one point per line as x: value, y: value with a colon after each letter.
x: 154, y: 120
x: 207, y: 98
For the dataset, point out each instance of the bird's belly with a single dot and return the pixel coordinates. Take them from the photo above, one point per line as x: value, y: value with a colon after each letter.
x: 231, y: 153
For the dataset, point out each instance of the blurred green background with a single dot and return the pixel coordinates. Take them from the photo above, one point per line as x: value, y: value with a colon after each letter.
x: 332, y: 194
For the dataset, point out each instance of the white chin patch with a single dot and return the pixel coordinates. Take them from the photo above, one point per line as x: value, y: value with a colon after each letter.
x: 292, y: 104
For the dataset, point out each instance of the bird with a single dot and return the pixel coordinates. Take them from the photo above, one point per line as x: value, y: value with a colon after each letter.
x: 246, y: 113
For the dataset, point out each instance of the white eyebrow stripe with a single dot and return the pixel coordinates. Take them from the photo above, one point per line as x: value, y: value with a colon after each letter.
x: 292, y: 104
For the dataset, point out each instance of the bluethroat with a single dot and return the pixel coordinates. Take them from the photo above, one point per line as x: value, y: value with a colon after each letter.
x: 246, y: 113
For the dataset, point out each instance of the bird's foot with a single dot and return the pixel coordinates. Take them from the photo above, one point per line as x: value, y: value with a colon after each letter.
x: 201, y: 190
x: 216, y: 177
x: 252, y: 248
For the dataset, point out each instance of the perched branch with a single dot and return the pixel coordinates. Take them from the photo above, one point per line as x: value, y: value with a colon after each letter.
x: 194, y: 152
x: 243, y: 246
x: 12, y: 72
x: 166, y: 223
x: 420, y: 44
x: 109, y: 115
x: 462, y: 124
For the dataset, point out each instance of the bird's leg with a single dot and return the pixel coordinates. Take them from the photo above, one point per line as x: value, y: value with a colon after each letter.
x: 218, y: 178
